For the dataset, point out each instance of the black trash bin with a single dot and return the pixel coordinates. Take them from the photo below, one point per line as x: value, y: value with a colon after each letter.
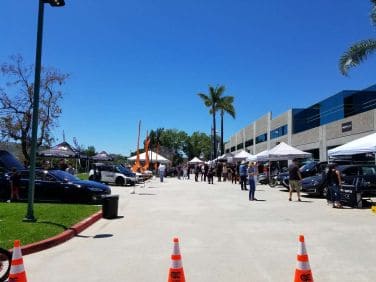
x: 110, y: 206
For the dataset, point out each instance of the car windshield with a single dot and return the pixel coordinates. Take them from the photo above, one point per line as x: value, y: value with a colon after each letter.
x: 62, y: 175
x: 308, y: 166
x: 123, y: 170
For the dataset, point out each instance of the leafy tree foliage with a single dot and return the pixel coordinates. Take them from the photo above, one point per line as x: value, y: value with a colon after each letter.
x: 216, y: 101
x: 90, y: 151
x: 199, y: 145
x: 174, y: 144
x: 225, y: 105
x: 16, y: 103
x: 359, y: 51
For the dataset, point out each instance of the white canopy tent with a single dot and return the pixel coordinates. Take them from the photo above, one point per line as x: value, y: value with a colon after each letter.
x: 242, y: 155
x: 284, y: 151
x: 153, y: 157
x: 227, y: 156
x: 262, y: 156
x: 366, y: 144
x: 195, y: 160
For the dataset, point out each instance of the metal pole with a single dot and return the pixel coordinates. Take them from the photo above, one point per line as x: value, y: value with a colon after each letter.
x: 34, y: 130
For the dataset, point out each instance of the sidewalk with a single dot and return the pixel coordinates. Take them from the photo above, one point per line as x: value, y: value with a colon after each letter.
x: 223, y: 237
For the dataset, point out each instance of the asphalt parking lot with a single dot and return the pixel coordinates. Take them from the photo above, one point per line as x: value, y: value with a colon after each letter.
x: 223, y: 237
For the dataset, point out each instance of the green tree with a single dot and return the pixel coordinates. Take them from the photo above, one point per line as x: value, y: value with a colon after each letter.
x: 211, y: 101
x: 90, y: 151
x: 198, y: 145
x: 358, y: 52
x: 16, y: 103
x: 225, y: 105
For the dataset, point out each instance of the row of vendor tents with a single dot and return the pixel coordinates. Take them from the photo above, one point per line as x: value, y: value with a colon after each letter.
x: 283, y: 151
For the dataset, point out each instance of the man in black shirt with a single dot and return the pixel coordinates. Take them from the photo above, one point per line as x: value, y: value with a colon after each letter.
x: 294, y: 179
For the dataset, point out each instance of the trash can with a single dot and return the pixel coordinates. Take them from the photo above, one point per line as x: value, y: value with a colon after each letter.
x: 110, y: 206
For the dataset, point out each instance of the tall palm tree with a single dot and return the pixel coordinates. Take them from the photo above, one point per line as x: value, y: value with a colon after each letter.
x: 358, y: 52
x: 211, y: 101
x: 225, y: 105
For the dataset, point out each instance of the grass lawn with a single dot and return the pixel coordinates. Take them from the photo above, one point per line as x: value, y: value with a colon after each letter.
x: 52, y: 219
x: 83, y: 175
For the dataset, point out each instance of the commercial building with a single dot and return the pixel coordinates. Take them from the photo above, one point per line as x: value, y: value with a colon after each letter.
x: 341, y: 118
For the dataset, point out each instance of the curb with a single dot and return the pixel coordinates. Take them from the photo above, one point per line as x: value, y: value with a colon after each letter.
x: 62, y: 237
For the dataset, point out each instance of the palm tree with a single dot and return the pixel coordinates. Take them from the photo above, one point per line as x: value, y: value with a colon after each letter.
x: 225, y: 105
x: 211, y: 101
x: 358, y: 52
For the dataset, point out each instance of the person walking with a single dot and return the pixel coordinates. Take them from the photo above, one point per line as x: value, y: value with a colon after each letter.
x: 252, y: 172
x: 162, y: 170
x: 333, y: 178
x: 243, y: 175
x: 294, y: 179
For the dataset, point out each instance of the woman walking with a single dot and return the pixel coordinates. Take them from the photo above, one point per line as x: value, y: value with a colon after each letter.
x: 333, y: 178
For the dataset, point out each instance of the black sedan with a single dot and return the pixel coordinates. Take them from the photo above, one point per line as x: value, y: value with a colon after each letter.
x: 57, y: 185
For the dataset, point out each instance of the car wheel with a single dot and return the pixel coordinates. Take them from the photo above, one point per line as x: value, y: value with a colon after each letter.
x: 119, y: 181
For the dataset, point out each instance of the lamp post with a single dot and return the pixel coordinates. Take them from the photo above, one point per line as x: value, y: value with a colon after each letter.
x: 34, y: 129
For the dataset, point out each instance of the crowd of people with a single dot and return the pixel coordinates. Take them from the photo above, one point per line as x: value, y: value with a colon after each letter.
x: 246, y: 174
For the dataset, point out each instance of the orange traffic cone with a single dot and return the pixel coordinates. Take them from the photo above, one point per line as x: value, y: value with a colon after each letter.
x: 303, y: 270
x: 176, y: 273
x: 17, y: 271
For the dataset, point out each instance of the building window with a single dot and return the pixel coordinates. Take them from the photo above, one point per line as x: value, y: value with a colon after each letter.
x: 249, y: 142
x: 278, y: 132
x: 233, y: 149
x: 227, y: 151
x: 261, y: 138
x: 240, y: 146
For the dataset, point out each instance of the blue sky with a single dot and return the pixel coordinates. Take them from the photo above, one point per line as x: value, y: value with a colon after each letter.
x: 147, y: 60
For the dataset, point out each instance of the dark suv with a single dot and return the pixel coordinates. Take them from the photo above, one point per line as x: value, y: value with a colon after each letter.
x: 361, y: 177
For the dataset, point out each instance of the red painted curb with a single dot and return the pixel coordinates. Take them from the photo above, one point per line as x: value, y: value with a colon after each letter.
x: 62, y: 237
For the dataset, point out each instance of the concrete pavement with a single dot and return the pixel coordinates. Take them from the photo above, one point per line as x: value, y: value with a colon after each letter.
x: 223, y: 237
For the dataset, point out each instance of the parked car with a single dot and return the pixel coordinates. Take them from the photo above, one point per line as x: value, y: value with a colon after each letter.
x: 7, y: 163
x: 117, y: 174
x: 58, y: 185
x: 307, y: 170
x: 363, y: 176
x: 315, y: 185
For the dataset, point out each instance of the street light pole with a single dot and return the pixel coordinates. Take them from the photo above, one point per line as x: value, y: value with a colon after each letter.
x: 34, y: 129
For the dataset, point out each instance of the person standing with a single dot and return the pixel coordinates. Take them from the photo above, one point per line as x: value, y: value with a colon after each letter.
x: 210, y: 174
x: 185, y: 172
x: 70, y: 169
x: 224, y: 172
x: 15, y: 181
x: 333, y: 178
x: 294, y: 179
x: 243, y: 175
x: 252, y: 172
x: 162, y: 170
x: 197, y: 171
x: 219, y: 169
